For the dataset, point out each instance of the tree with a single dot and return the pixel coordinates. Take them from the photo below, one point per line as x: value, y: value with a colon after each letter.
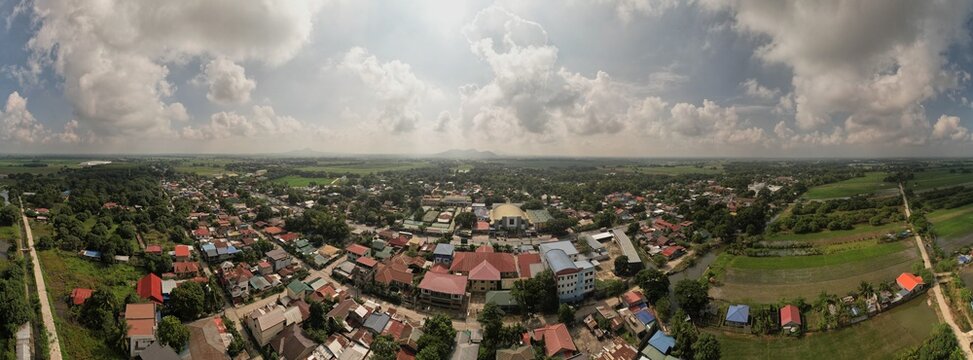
x: 465, y: 220
x: 692, y: 296
x: 685, y: 335
x: 662, y: 309
x: 706, y: 348
x: 654, y: 284
x: 621, y: 265
x: 173, y: 333
x: 384, y: 347
x: 941, y: 344
x: 158, y: 264
x: 188, y: 301
x: 9, y: 215
x: 537, y: 294
x: 438, y: 338
x: 491, y: 321
x: 98, y: 312
x: 566, y: 314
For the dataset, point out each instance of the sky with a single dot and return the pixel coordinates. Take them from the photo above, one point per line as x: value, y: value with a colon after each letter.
x: 633, y: 78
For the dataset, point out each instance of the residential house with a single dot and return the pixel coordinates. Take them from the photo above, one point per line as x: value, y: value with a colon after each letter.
x: 209, y: 339
x: 790, y: 318
x: 443, y: 254
x: 618, y: 350
x: 443, y: 290
x: 296, y: 289
x: 356, y: 251
x: 393, y: 275
x: 524, y: 352
x: 279, y: 258
x: 185, y: 269
x: 149, y: 287
x: 659, y: 346
x: 142, y: 322
x: 910, y: 282
x: 182, y: 252
x: 265, y: 323
x: 157, y: 351
x: 738, y: 315
x: 557, y: 340
x: 292, y: 344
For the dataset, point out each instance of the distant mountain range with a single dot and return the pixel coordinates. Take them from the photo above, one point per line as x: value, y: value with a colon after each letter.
x: 465, y: 154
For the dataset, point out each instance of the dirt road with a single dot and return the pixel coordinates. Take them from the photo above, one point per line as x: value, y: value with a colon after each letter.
x: 961, y: 337
x: 46, y: 313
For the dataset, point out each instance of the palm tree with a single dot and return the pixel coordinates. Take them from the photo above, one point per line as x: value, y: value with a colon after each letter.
x: 866, y: 289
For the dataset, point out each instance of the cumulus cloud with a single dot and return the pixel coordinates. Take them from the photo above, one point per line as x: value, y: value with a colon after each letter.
x: 528, y: 90
x: 864, y: 66
x: 949, y: 128
x: 263, y: 121
x: 395, y: 86
x: 227, y: 82
x: 714, y: 124
x: 17, y: 124
x: 113, y: 55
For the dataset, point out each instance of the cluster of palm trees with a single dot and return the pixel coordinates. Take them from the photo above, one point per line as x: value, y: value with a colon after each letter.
x: 836, y: 312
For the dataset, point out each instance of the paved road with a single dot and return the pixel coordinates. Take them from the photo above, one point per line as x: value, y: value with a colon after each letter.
x: 55, y: 345
x: 962, y: 338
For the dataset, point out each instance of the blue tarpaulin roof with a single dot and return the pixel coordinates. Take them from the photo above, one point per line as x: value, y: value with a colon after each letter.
x: 91, y: 253
x: 645, y: 316
x: 738, y: 314
x: 662, y: 342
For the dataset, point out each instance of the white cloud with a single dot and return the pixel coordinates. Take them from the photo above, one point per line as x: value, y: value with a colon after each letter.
x: 394, y: 85
x: 227, y: 82
x: 865, y: 66
x: 17, y: 124
x: 628, y: 9
x: 754, y: 90
x: 949, y: 128
x: 712, y: 123
x: 261, y: 123
x: 528, y: 90
x: 113, y: 55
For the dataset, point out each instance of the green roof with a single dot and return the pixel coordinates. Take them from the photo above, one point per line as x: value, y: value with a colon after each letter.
x: 501, y: 298
x: 539, y: 216
x: 298, y: 286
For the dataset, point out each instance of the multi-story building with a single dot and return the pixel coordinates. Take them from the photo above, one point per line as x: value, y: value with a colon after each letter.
x: 575, y: 279
x: 443, y: 290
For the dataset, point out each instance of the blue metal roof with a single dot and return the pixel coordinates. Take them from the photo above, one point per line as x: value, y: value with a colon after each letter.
x: 738, y: 313
x: 558, y: 260
x: 662, y: 342
x: 377, y: 322
x: 444, y: 249
x: 645, y: 316
x: 92, y: 253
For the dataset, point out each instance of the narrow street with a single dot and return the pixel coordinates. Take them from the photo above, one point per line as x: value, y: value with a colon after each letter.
x: 961, y: 337
x: 55, y: 345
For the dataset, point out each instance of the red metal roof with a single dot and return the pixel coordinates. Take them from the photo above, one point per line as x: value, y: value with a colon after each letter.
x: 444, y: 283
x: 79, y: 295
x: 557, y: 339
x: 185, y: 267
x: 464, y: 261
x: 367, y: 261
x: 485, y: 272
x: 357, y: 249
x: 633, y: 298
x: 908, y: 281
x: 790, y: 315
x: 153, y: 249
x: 182, y: 250
x: 525, y: 260
x: 150, y: 288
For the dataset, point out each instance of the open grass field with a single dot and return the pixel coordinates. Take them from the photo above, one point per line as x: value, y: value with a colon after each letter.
x: 939, y: 178
x: 299, y: 181
x: 869, y: 184
x: 954, y: 227
x: 769, y: 279
x: 365, y: 167
x: 17, y: 166
x: 881, y: 337
x: 861, y: 231
x: 64, y: 271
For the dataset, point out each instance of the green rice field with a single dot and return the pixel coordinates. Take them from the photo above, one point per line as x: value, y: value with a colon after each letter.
x: 871, y: 183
